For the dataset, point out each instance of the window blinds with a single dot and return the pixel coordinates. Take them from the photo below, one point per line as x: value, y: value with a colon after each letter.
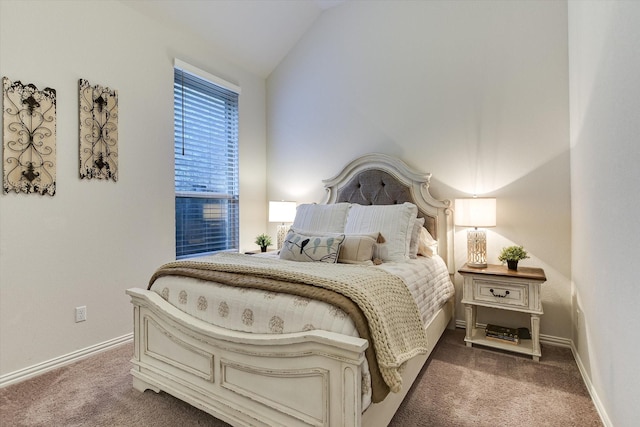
x: 206, y: 165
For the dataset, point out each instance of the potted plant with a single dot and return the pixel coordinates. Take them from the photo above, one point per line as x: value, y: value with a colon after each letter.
x: 263, y: 241
x: 513, y: 254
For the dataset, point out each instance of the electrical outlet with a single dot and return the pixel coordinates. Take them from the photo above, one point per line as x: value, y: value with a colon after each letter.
x: 81, y: 313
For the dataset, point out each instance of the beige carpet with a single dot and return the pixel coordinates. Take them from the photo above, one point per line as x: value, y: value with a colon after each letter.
x: 458, y: 387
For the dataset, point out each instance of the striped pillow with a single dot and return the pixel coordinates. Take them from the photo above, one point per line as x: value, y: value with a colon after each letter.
x: 393, y: 222
x: 321, y: 218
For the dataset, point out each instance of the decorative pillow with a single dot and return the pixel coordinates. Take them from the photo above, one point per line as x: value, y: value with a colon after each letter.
x: 427, y: 246
x: 393, y: 222
x: 300, y: 247
x: 358, y: 249
x: 321, y: 218
x: 355, y: 249
x: 415, y: 238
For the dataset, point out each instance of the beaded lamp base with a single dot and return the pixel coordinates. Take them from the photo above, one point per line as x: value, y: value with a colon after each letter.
x: 282, y: 234
x: 477, y: 248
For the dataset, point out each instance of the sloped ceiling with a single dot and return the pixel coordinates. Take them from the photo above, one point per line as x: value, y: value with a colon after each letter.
x: 255, y: 34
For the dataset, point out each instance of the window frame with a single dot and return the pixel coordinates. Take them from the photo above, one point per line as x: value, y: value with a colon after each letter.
x: 227, y: 202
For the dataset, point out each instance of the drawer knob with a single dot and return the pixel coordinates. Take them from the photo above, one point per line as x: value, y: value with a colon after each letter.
x: 498, y: 295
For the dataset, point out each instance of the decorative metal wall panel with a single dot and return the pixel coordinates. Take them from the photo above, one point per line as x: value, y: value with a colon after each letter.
x: 29, y: 138
x: 98, y: 131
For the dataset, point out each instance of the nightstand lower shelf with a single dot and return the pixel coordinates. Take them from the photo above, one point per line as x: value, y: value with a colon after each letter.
x: 523, y: 347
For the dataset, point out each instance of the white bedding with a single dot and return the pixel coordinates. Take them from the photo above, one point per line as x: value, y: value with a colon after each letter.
x: 259, y: 311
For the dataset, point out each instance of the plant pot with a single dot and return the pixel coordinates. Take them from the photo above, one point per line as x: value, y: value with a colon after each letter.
x: 512, y: 265
x: 263, y: 249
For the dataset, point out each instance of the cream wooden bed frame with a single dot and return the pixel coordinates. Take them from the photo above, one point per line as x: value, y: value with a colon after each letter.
x: 307, y: 378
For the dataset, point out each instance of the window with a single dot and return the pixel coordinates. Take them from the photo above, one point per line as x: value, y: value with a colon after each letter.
x: 206, y: 162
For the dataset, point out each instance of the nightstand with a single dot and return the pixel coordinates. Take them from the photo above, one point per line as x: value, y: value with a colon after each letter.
x: 258, y: 251
x: 498, y: 287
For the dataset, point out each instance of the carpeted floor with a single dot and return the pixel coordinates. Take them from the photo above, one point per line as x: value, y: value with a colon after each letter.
x: 458, y: 387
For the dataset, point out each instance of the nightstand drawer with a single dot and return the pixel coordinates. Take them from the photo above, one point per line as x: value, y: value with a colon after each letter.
x: 500, y: 293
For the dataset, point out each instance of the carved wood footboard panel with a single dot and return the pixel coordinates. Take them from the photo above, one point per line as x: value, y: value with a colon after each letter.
x: 237, y: 377
x: 247, y: 379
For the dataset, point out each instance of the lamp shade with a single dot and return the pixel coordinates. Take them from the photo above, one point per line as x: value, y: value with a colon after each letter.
x: 282, y: 211
x: 476, y: 212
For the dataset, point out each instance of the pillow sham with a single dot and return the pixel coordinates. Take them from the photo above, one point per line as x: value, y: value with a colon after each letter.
x: 321, y: 218
x: 393, y: 222
x: 427, y: 245
x: 305, y: 248
x: 355, y: 249
x: 415, y: 238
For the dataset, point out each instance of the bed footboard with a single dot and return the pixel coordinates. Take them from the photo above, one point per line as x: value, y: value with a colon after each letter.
x: 308, y: 378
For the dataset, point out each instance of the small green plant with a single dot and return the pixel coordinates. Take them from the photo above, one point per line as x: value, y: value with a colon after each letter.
x: 513, y: 253
x: 263, y: 240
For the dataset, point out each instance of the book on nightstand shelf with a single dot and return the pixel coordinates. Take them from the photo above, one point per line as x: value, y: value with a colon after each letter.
x: 501, y: 333
x: 502, y: 339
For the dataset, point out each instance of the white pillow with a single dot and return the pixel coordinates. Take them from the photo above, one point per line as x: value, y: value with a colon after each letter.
x: 415, y: 238
x: 393, y: 222
x: 321, y: 218
x: 427, y: 246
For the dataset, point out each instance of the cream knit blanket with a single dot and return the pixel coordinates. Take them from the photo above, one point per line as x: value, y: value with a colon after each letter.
x: 394, y: 321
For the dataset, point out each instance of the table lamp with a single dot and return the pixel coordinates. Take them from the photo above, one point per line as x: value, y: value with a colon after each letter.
x: 282, y: 212
x: 477, y: 213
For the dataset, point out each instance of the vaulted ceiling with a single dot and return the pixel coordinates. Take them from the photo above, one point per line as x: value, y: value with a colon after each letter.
x: 255, y: 34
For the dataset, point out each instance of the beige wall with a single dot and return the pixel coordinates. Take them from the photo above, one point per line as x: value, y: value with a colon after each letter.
x: 94, y: 239
x: 474, y: 92
x: 604, y: 42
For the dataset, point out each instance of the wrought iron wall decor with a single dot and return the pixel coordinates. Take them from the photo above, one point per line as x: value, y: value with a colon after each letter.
x: 98, y: 131
x: 29, y: 138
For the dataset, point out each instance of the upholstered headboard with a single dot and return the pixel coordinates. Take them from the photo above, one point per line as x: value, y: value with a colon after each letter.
x: 379, y: 179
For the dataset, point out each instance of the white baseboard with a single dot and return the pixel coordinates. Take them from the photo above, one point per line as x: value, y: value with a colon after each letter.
x: 41, y: 368
x: 555, y: 341
x: 592, y: 392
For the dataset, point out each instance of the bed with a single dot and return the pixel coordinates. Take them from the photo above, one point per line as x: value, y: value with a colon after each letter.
x: 317, y: 375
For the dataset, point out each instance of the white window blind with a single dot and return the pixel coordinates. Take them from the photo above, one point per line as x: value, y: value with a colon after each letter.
x: 206, y: 164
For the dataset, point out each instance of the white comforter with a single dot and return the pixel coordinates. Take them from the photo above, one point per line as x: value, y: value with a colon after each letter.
x: 259, y: 311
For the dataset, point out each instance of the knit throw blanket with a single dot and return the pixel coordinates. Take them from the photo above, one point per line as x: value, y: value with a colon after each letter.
x: 392, y: 322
